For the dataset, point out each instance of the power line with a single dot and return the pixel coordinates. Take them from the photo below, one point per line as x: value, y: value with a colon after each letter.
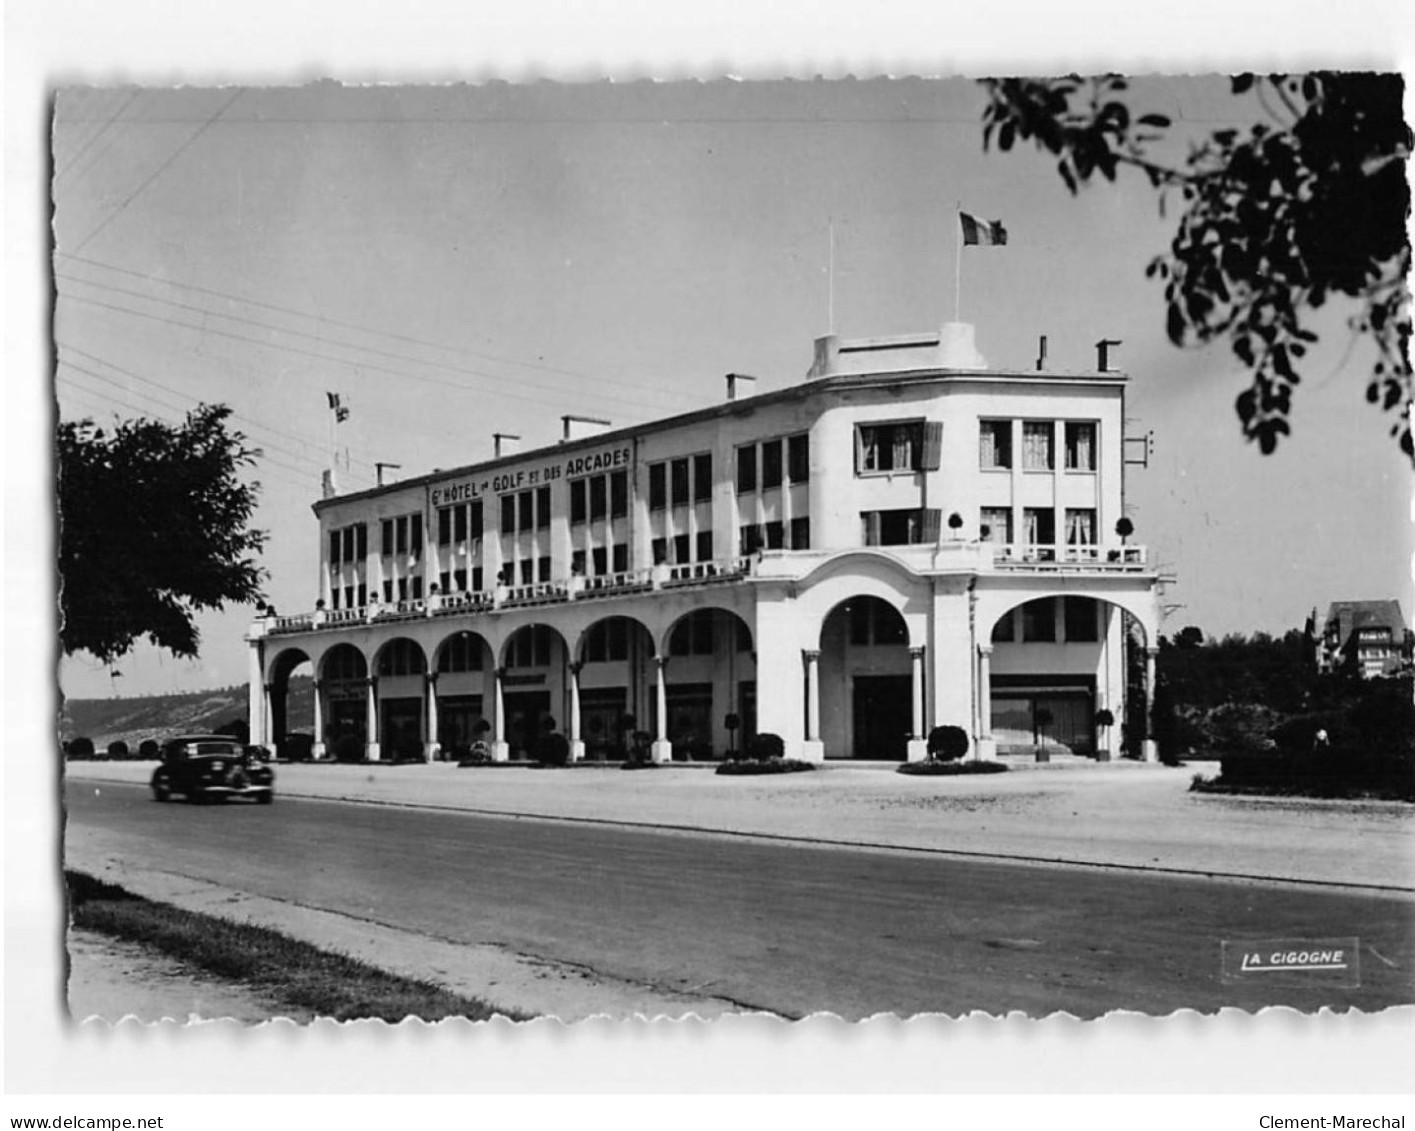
x: 158, y: 171
x: 371, y: 350
x: 73, y: 162
x: 305, y: 473
x: 637, y: 387
x: 305, y: 440
x: 461, y: 387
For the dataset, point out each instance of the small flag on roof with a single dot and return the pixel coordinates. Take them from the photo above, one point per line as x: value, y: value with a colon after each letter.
x: 982, y: 233
x: 341, y: 413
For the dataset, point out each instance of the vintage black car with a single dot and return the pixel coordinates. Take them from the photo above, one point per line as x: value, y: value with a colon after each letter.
x: 213, y: 767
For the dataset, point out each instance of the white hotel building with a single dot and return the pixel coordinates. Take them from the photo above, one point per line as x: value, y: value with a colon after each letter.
x: 905, y: 539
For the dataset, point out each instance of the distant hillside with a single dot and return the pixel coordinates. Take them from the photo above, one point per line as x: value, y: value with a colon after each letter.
x: 155, y: 716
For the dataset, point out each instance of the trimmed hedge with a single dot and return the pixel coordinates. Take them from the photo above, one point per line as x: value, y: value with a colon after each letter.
x: 748, y: 767
x: 1318, y: 774
x: 934, y: 768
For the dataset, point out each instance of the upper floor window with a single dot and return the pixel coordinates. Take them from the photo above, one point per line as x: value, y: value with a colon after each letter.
x: 1080, y: 445
x: 995, y: 444
x: 995, y: 524
x: 618, y: 494
x: 658, y: 486
x: 798, y: 458
x: 746, y: 468
x: 702, y: 477
x: 920, y: 525
x: 1037, y: 437
x: 771, y: 464
x: 905, y: 446
x: 680, y: 482
x: 1080, y: 526
x: 577, y: 501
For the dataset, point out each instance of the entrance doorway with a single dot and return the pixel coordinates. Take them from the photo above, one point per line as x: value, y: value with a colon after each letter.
x: 525, y: 714
x: 883, y: 709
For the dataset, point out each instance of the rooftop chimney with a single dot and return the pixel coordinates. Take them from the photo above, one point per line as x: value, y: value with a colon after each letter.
x: 1042, y: 353
x: 1103, y: 353
x: 575, y: 427
x: 505, y: 444
x: 733, y: 378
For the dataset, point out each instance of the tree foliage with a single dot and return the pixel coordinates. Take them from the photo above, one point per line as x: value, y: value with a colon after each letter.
x: 1277, y: 219
x: 154, y: 527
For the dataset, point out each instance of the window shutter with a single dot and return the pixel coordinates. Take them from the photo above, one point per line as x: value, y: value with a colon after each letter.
x: 933, y: 446
x: 871, y: 527
x: 932, y: 525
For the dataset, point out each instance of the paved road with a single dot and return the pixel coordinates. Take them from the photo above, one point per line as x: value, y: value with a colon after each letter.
x: 792, y: 929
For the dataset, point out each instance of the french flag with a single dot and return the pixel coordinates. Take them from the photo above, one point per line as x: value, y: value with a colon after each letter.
x: 983, y: 233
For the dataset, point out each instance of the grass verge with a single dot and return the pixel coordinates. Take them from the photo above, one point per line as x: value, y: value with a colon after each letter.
x: 328, y: 984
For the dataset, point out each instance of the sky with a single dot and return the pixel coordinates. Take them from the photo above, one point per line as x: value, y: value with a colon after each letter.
x: 457, y: 260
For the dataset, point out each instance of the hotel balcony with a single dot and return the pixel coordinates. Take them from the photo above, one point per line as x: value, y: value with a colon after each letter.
x: 946, y: 557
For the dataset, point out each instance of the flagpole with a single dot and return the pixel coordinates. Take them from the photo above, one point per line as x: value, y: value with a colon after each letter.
x: 957, y: 260
x: 830, y: 274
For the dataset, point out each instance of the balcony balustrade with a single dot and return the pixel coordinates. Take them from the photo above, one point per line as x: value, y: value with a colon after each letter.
x: 946, y: 556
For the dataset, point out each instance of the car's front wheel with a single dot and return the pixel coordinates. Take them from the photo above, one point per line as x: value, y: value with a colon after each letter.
x: 265, y: 798
x: 161, y: 793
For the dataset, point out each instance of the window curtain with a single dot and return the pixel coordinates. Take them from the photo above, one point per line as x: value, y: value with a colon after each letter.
x: 1031, y: 520
x: 1084, y: 437
x: 903, y: 449
x: 1080, y: 528
x: 1036, y: 448
x: 988, y: 446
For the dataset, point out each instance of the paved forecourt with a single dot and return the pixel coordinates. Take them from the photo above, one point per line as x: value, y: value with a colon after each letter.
x: 1125, y: 815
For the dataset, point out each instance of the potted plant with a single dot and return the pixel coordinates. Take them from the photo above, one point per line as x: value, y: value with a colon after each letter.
x: 1105, y: 719
x: 955, y: 523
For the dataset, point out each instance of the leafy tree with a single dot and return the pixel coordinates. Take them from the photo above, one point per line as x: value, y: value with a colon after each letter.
x: 1277, y: 218
x: 153, y: 528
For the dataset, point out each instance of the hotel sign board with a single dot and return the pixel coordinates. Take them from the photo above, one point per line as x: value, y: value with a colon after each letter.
x: 539, y: 474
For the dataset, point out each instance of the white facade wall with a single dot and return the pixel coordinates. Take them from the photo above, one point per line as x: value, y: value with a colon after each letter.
x: 796, y: 603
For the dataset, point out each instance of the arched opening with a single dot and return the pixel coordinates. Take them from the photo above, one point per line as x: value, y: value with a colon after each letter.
x: 292, y: 709
x: 401, y: 668
x: 710, y: 685
x: 866, y: 688
x: 343, y: 679
x: 463, y: 710
x: 534, y: 683
x: 1060, y: 680
x: 616, y: 693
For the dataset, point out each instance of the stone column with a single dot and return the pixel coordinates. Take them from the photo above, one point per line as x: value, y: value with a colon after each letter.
x: 1151, y: 748
x: 919, y: 740
x: 987, y: 748
x: 431, y: 746
x: 255, y: 695
x: 267, y: 726
x: 500, y: 751
x: 662, y: 749
x: 317, y: 749
x: 577, y: 745
x: 372, y: 750
x: 812, y: 749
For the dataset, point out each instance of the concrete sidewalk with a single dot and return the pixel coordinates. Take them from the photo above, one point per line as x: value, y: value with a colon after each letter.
x: 1119, y: 815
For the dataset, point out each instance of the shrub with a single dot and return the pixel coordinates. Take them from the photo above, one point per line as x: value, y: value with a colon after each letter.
x: 764, y: 746
x: 149, y: 751
x: 948, y: 743
x: 81, y: 748
x: 765, y: 766
x: 118, y: 750
x: 553, y: 749
x: 950, y: 769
